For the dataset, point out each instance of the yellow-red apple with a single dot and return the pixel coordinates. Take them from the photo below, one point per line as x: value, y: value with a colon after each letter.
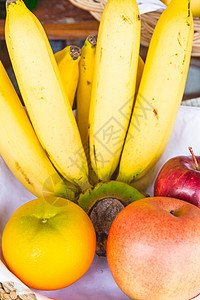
x: 153, y: 249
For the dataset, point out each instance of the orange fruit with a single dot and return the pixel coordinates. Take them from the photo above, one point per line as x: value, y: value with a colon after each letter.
x: 49, y: 243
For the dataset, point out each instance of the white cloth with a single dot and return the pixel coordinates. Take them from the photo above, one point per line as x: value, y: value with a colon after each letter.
x: 150, y: 5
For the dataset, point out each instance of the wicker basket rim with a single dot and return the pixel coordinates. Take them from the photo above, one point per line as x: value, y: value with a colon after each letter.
x: 149, y: 20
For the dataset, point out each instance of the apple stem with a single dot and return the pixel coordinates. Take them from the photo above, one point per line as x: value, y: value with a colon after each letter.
x: 194, y: 158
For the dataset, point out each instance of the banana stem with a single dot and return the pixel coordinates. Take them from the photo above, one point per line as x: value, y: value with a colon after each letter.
x: 75, y: 52
x: 92, y: 39
x: 8, y: 2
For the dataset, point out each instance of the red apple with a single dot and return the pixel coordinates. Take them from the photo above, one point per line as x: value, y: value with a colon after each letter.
x: 153, y: 249
x: 180, y: 178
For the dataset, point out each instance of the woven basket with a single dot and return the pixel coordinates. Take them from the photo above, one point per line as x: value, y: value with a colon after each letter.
x: 148, y: 22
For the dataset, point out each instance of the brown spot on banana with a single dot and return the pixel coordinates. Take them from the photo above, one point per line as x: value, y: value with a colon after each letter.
x: 187, y: 23
x: 184, y: 59
x: 179, y: 34
x: 126, y: 19
x: 156, y: 113
x: 188, y: 8
x: 94, y: 151
x: 19, y: 168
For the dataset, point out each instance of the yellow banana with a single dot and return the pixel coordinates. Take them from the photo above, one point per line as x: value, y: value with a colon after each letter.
x: 160, y: 92
x: 41, y: 87
x: 21, y: 149
x: 113, y: 84
x: 68, y: 64
x: 195, y: 6
x: 83, y: 96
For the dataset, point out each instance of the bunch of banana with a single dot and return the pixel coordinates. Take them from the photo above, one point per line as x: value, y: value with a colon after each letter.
x: 43, y: 93
x: 121, y: 108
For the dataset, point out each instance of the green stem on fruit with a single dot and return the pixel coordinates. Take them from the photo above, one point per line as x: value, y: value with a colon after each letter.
x: 194, y: 158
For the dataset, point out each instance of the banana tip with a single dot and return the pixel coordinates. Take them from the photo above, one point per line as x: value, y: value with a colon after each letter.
x: 75, y: 52
x: 92, y: 39
x: 8, y: 2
